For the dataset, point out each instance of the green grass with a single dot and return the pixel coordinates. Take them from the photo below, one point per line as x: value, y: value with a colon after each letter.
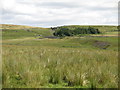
x: 46, y: 63
x: 21, y: 33
x: 71, y: 62
x: 12, y: 34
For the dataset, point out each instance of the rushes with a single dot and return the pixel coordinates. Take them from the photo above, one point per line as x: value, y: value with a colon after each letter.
x: 40, y: 67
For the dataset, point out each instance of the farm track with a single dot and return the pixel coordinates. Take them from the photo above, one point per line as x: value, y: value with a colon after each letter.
x: 105, y: 36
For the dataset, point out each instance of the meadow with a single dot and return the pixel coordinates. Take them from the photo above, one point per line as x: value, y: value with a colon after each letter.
x: 70, y: 62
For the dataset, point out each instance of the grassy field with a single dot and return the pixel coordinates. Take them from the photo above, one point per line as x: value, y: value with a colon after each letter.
x: 70, y: 62
x: 17, y: 32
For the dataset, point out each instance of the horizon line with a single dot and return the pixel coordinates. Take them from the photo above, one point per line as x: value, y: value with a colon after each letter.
x: 62, y: 25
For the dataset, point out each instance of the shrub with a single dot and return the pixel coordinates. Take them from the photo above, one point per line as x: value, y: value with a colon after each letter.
x: 65, y: 31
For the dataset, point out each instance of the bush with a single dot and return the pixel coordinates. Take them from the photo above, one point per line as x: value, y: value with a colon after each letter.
x: 65, y: 31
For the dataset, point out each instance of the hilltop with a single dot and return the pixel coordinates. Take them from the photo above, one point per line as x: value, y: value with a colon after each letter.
x: 11, y: 26
x: 10, y: 31
x: 21, y: 31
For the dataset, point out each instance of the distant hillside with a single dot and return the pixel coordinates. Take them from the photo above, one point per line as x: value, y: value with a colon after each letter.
x: 10, y: 26
x: 20, y: 31
x: 102, y: 28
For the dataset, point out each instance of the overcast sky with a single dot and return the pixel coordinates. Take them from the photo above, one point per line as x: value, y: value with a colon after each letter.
x: 47, y: 13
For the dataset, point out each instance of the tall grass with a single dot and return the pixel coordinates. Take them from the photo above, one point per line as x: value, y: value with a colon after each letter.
x: 68, y: 62
x: 37, y: 66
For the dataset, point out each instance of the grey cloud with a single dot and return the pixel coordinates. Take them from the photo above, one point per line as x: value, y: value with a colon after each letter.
x: 11, y: 12
x: 61, y: 13
x: 102, y: 8
x: 58, y: 5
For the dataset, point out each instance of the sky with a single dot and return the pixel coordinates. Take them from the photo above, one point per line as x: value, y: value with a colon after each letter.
x: 50, y: 13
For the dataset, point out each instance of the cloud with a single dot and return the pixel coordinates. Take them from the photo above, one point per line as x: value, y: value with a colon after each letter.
x: 46, y: 13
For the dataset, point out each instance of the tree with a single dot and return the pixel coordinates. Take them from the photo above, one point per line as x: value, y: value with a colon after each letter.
x: 66, y: 31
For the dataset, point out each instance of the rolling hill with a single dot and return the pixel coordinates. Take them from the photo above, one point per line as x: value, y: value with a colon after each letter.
x: 20, y: 31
